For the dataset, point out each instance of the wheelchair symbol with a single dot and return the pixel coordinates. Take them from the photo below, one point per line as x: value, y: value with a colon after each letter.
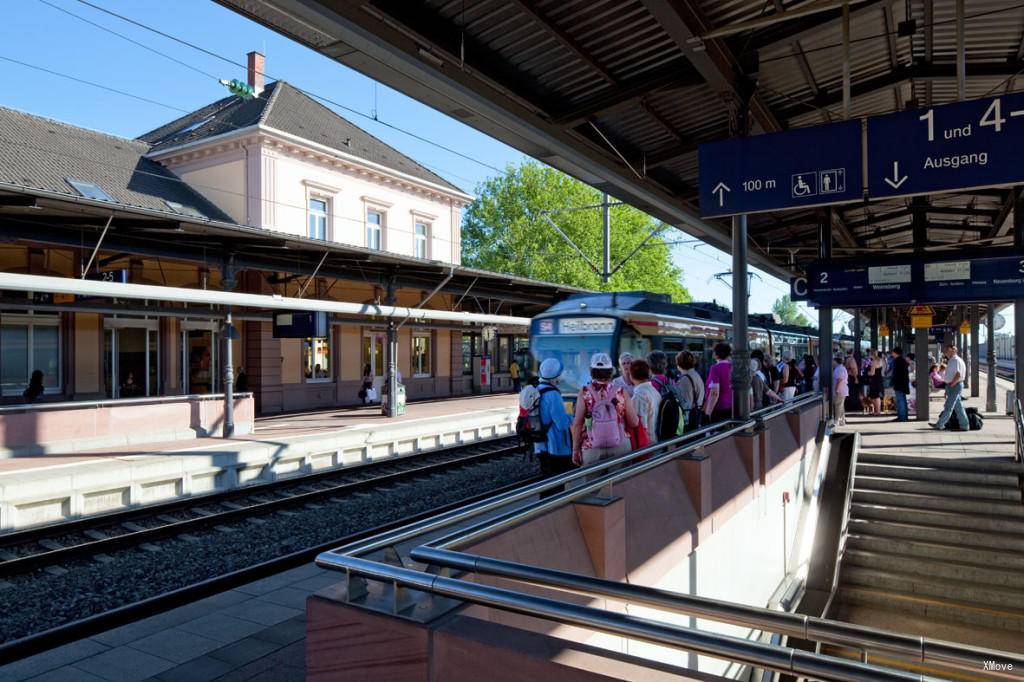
x: 804, y: 185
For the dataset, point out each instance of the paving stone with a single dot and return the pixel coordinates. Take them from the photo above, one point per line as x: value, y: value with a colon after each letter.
x: 148, y: 626
x: 268, y: 584
x: 51, y: 660
x: 68, y: 673
x: 262, y: 612
x: 292, y: 597
x: 317, y: 583
x: 124, y: 664
x: 176, y: 645
x: 245, y: 651
x: 286, y: 632
x: 287, y: 664
x: 196, y: 670
x: 222, y: 627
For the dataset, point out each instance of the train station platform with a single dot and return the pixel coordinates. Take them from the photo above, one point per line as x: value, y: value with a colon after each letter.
x: 59, y: 486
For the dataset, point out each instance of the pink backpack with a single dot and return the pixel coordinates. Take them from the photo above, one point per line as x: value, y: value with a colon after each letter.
x: 605, y: 431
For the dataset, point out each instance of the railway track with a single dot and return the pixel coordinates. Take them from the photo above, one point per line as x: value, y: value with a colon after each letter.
x: 51, y: 545
x: 53, y: 555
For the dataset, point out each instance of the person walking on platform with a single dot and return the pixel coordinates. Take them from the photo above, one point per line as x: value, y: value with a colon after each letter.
x: 610, y: 412
x: 514, y: 372
x: 646, y: 398
x: 691, y: 386
x: 625, y: 380
x: 956, y: 369
x: 900, y: 383
x: 555, y: 452
x: 875, y: 386
x: 840, y: 389
x: 718, y: 401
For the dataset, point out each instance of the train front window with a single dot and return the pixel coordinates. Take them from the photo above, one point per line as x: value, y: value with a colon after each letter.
x: 575, y: 352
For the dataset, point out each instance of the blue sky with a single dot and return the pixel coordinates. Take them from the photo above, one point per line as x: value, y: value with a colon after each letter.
x: 37, y: 33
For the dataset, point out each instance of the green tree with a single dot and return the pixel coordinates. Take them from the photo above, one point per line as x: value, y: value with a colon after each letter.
x: 504, y: 231
x: 788, y: 312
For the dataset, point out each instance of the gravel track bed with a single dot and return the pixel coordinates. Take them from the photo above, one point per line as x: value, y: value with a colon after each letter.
x: 40, y: 600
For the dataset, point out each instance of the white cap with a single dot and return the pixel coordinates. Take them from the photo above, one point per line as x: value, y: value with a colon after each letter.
x: 600, y: 361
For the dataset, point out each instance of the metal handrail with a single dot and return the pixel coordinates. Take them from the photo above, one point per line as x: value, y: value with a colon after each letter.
x: 780, y: 658
x: 1018, y: 419
x: 497, y: 502
x: 920, y: 649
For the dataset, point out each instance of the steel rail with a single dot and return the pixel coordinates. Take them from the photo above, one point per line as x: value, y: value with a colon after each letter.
x: 49, y: 557
x: 919, y: 649
x: 69, y: 632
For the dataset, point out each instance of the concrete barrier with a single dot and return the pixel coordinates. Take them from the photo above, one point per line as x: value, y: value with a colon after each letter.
x: 47, y: 428
x: 63, y: 492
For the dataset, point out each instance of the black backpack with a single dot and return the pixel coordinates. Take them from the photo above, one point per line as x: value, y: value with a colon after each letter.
x: 669, y: 410
x: 974, y: 421
x: 530, y: 427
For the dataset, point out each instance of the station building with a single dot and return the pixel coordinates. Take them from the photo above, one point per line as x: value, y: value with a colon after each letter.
x: 276, y: 195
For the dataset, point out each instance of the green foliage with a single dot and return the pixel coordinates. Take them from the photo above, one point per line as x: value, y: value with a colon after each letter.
x: 504, y: 231
x: 788, y: 312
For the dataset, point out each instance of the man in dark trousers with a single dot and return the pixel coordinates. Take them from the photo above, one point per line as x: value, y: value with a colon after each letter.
x: 900, y: 383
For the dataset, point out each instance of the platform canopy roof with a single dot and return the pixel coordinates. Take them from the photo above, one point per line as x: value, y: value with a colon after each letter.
x: 620, y: 93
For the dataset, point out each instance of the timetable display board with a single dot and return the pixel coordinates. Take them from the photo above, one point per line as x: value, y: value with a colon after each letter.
x: 941, y: 281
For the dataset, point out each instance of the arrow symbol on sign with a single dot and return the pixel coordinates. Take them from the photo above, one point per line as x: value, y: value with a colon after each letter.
x: 896, y: 180
x: 720, y: 189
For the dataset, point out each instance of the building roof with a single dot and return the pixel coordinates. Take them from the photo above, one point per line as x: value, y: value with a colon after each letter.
x: 40, y: 153
x: 286, y: 108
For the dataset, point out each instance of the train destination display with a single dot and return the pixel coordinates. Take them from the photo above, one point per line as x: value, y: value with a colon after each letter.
x: 947, y: 281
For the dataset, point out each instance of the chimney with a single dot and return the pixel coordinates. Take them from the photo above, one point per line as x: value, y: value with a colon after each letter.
x: 256, y: 72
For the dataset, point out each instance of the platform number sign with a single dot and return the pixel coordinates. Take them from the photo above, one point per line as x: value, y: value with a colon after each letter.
x: 957, y: 146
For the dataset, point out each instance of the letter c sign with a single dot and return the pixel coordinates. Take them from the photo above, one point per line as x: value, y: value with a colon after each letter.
x: 798, y: 287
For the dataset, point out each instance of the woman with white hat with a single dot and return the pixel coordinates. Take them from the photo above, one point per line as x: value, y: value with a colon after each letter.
x: 610, y: 412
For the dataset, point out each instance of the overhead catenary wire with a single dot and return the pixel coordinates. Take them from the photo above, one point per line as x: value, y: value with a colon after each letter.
x: 306, y: 92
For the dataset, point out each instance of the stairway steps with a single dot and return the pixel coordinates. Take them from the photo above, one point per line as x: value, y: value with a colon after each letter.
x: 970, y: 505
x: 939, y: 545
x: 920, y: 605
x: 982, y: 465
x: 966, y: 572
x: 938, y: 488
x: 935, y: 517
x: 931, y: 586
x: 1008, y: 480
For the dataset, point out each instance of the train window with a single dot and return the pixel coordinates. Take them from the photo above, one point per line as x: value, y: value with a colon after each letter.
x: 632, y: 343
x: 575, y: 351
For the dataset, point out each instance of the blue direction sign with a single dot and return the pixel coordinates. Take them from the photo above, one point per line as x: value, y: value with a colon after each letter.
x: 964, y: 145
x: 854, y: 285
x: 793, y: 169
x: 946, y: 281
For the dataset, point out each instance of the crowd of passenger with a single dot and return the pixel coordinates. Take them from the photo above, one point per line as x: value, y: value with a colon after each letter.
x: 647, y: 400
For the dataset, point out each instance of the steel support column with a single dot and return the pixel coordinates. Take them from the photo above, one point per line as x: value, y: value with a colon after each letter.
x: 228, y: 284
x: 825, y: 319
x: 874, y: 328
x: 391, y: 408
x: 740, y: 343
x: 990, y: 342
x: 921, y: 371
x: 606, y: 271
x: 975, y: 353
x: 1018, y: 304
x: 857, y: 333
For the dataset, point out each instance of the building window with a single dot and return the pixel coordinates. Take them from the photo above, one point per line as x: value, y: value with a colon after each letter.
x: 421, y: 355
x: 374, y: 230
x: 316, y: 359
x: 504, y: 353
x: 422, y: 240
x: 469, y: 345
x: 28, y: 343
x: 318, y: 218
